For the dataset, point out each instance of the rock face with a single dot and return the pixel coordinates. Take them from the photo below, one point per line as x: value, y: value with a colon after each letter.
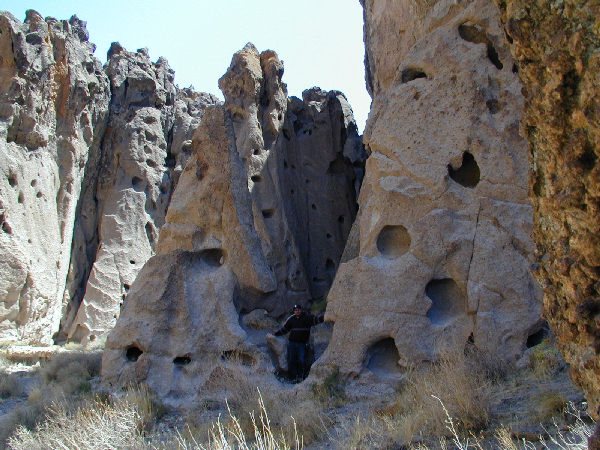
x: 556, y: 47
x: 258, y: 221
x: 135, y: 180
x: 89, y: 157
x: 53, y: 109
x: 442, y: 248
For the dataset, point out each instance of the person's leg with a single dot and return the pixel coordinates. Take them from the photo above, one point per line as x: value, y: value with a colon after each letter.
x: 292, y: 358
x: 301, y: 361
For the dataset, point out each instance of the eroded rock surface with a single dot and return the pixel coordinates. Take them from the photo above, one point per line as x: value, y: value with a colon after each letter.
x: 443, y: 248
x: 556, y: 48
x: 143, y: 150
x: 89, y: 158
x: 258, y: 221
x: 53, y: 108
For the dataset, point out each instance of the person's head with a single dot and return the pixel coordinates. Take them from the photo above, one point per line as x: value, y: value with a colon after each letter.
x: 297, y: 310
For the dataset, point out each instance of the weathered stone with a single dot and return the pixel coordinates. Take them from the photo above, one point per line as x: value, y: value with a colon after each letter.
x: 148, y: 117
x: 258, y: 221
x: 53, y: 109
x: 556, y: 48
x: 444, y: 222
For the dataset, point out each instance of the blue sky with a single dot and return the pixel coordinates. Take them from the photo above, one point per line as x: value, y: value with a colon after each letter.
x: 320, y: 41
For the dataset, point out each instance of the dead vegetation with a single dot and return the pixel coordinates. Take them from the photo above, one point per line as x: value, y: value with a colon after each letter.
x: 462, y: 401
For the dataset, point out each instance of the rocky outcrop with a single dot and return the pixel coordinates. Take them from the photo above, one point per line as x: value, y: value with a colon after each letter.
x: 443, y: 233
x: 89, y: 157
x: 556, y: 48
x: 53, y: 109
x: 258, y: 220
x: 146, y: 142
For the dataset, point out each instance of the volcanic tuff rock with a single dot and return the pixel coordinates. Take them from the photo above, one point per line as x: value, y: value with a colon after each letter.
x: 136, y: 176
x: 53, y: 109
x: 274, y: 196
x: 443, y: 231
x: 75, y: 193
x: 556, y: 45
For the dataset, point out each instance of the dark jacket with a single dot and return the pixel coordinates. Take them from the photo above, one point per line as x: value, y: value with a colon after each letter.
x: 299, y: 327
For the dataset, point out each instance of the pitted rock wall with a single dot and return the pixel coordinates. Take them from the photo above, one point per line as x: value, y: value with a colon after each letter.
x: 445, y: 220
x: 89, y: 158
x: 53, y: 110
x: 137, y: 174
x: 240, y: 233
x: 556, y: 46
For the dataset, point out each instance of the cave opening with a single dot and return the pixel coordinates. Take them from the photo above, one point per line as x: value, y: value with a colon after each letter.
x: 468, y: 174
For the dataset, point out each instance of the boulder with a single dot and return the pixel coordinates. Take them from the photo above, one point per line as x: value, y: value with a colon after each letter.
x: 443, y: 250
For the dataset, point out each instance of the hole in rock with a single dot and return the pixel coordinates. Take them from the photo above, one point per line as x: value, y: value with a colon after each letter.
x: 447, y: 301
x: 341, y: 219
x: 285, y: 166
x: 268, y: 213
x: 493, y: 106
x: 21, y: 197
x: 382, y: 358
x: 136, y: 183
x: 328, y: 236
x: 33, y: 182
x: 126, y: 287
x: 393, y: 241
x: 170, y: 161
x: 467, y: 174
x: 39, y: 194
x: 131, y: 261
x: 515, y: 68
x: 239, y: 357
x: 537, y: 337
x: 6, y: 227
x: 182, y: 360
x: 149, y: 232
x: 475, y: 34
x: 256, y: 151
x: 255, y: 178
x: 411, y: 74
x: 313, y: 206
x: 214, y: 257
x: 92, y: 337
x: 133, y: 353
x: 292, y: 192
x: 471, y: 339
x: 12, y: 179
x: 587, y: 160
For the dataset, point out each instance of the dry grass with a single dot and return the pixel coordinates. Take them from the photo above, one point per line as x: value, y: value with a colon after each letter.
x: 239, y: 388
x: 63, y: 380
x: 460, y: 382
x: 97, y: 425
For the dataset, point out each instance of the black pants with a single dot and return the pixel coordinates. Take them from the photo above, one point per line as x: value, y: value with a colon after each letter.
x: 296, y: 359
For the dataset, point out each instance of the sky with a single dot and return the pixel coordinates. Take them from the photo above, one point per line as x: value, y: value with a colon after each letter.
x: 319, y: 41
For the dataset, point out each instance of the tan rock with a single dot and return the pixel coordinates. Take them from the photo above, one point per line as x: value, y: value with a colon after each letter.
x: 247, y: 234
x: 444, y: 222
x: 53, y: 108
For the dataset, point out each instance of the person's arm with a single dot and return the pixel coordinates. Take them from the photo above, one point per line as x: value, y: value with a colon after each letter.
x: 284, y: 329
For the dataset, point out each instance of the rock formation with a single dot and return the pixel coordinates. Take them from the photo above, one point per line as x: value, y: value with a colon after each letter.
x: 443, y: 244
x: 133, y: 187
x: 53, y: 108
x: 556, y: 48
x: 258, y: 221
x: 89, y: 158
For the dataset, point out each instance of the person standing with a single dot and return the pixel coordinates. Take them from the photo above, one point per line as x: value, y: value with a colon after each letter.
x: 298, y: 326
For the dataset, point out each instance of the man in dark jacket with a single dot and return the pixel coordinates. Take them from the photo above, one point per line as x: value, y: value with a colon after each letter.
x: 298, y: 325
